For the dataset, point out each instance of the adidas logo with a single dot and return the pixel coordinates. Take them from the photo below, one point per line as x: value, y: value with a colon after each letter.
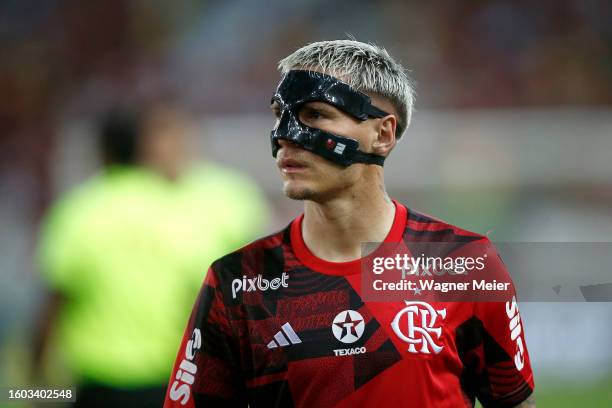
x: 281, y: 341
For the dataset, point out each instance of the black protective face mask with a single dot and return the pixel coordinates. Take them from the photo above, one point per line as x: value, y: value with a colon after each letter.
x: 299, y: 87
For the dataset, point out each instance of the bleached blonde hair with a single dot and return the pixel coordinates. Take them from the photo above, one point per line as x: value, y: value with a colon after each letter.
x: 366, y: 67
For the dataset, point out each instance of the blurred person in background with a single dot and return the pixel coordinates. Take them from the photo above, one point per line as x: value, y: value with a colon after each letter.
x: 125, y: 253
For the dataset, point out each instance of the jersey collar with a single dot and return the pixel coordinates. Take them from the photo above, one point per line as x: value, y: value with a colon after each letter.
x: 311, y: 261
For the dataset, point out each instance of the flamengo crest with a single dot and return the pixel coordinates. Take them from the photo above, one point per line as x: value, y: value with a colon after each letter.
x: 419, y: 335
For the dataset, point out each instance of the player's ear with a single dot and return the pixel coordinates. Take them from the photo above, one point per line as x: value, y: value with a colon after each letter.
x: 385, y: 138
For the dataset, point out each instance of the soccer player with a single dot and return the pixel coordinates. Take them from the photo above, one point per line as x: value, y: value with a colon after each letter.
x: 282, y: 321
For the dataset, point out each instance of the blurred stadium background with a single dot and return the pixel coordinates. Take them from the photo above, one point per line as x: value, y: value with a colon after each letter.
x: 512, y: 134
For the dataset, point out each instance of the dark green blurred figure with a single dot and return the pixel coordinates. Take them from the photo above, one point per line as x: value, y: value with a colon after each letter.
x: 126, y: 252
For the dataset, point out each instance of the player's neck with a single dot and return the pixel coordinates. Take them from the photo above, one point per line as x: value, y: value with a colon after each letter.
x: 334, y: 230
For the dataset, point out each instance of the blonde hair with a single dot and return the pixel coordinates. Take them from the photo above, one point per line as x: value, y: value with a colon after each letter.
x: 366, y: 67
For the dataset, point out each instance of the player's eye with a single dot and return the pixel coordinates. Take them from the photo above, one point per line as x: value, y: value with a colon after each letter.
x: 314, y: 114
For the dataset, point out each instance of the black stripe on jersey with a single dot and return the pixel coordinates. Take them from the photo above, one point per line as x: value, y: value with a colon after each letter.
x: 513, y: 399
x: 369, y: 365
x: 276, y: 394
x: 273, y: 267
x: 227, y: 269
x: 475, y: 346
x: 315, y: 343
x: 303, y: 280
x: 214, y: 340
x: 210, y: 401
x: 287, y: 235
x: 468, y: 338
x: 436, y: 249
x: 445, y: 235
x: 442, y: 235
x: 273, y: 261
x: 472, y: 334
x: 417, y: 216
x: 259, y: 312
x: 205, y: 300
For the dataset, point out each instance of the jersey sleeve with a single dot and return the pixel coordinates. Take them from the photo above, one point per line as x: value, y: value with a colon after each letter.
x: 493, y: 348
x: 207, y: 371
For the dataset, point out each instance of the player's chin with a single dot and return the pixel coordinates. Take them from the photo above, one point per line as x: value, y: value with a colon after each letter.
x: 299, y: 190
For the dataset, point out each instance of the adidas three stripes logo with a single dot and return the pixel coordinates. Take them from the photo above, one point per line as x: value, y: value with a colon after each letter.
x: 281, y: 340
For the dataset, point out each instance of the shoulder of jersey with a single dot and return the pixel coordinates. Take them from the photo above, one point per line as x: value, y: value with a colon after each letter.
x: 231, y: 264
x: 423, y: 227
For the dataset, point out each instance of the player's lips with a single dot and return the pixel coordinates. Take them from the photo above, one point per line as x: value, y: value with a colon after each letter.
x: 288, y: 165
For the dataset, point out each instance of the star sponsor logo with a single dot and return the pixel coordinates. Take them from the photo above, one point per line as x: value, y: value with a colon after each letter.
x: 348, y: 327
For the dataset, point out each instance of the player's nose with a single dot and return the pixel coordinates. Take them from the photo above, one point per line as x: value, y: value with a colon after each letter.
x: 284, y: 143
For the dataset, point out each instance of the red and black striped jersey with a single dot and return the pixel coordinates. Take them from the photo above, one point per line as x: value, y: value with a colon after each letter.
x: 275, y: 326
